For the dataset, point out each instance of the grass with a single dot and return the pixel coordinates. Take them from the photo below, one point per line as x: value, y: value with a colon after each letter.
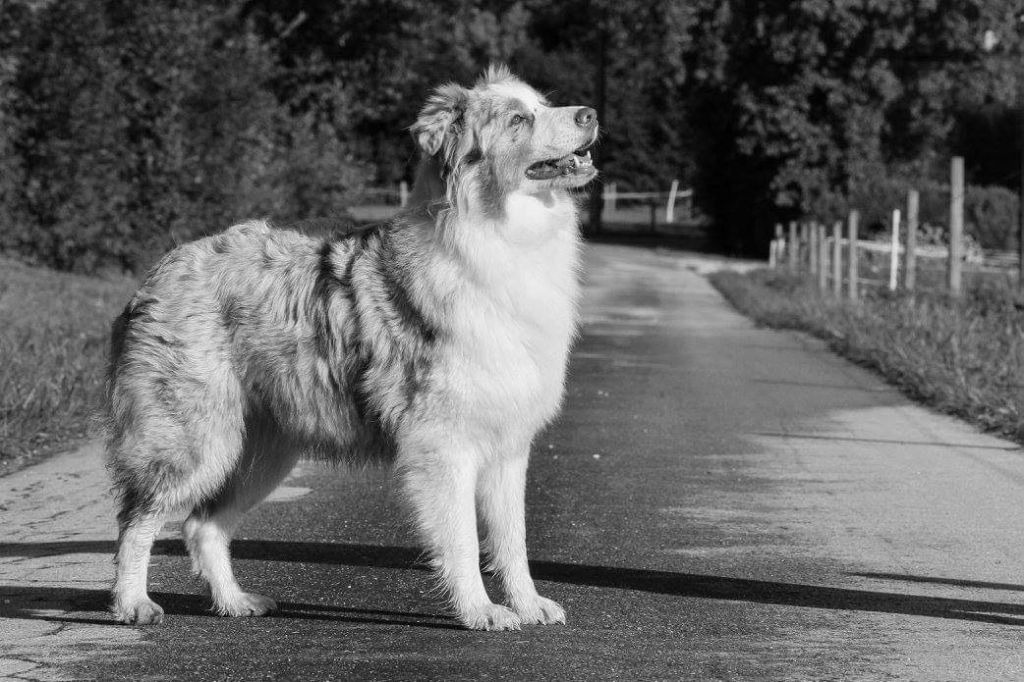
x: 964, y: 357
x: 54, y: 329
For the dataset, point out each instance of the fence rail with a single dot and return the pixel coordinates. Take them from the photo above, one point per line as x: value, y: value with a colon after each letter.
x: 669, y: 199
x: 809, y: 247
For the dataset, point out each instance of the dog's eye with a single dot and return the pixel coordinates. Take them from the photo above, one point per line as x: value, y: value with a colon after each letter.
x: 517, y: 119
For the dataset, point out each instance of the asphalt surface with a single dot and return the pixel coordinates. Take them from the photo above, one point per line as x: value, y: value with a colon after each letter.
x: 717, y: 501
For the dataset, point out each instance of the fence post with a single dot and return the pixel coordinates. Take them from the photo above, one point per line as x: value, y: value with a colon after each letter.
x: 403, y: 193
x: 609, y: 197
x: 775, y: 254
x: 670, y: 209
x: 910, y: 255
x: 804, y: 259
x: 894, y: 250
x: 793, y: 249
x: 837, y: 258
x: 822, y: 257
x: 956, y: 224
x: 851, y: 275
x: 812, y: 247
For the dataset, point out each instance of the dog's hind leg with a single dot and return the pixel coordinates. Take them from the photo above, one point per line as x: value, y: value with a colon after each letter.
x: 501, y: 501
x: 265, y: 461
x: 138, y: 526
x: 151, y: 482
x: 440, y: 485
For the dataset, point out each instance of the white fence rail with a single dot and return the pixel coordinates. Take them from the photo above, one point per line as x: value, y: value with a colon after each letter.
x: 611, y: 196
x: 669, y: 199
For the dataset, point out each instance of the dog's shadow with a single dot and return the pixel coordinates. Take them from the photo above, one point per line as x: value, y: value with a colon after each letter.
x: 40, y: 603
x: 33, y: 602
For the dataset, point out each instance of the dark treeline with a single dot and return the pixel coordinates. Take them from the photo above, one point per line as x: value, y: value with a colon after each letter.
x: 128, y: 125
x: 806, y: 108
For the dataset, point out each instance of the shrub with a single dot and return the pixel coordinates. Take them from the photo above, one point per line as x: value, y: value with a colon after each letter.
x: 10, y: 170
x: 990, y: 216
x: 147, y: 123
x: 990, y: 213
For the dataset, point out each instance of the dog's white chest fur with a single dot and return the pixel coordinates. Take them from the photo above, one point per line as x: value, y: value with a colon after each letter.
x: 515, y: 317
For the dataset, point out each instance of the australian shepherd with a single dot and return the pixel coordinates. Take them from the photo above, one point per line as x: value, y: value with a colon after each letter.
x: 435, y: 344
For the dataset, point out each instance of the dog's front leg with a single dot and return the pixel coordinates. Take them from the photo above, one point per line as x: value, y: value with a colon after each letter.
x: 501, y: 492
x: 440, y: 486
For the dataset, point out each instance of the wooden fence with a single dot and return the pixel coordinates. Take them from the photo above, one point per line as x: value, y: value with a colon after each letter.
x: 653, y: 200
x: 670, y: 200
x: 834, y: 254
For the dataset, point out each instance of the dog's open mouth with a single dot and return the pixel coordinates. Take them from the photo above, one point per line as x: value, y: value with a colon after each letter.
x: 571, y: 164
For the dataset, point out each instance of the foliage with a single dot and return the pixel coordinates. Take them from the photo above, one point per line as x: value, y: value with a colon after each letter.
x: 805, y: 100
x: 147, y: 123
x: 990, y: 213
x: 125, y: 126
x: 965, y: 357
x: 393, y: 52
x: 10, y: 125
x: 990, y: 216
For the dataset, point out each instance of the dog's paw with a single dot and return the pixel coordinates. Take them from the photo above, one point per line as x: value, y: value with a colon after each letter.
x: 245, y: 604
x: 540, y: 611
x: 491, y: 617
x: 139, y: 612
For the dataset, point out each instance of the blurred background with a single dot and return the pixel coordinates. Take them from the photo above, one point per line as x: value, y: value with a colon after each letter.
x: 129, y: 125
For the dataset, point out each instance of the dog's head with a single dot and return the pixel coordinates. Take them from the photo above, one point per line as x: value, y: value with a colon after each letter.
x: 501, y: 136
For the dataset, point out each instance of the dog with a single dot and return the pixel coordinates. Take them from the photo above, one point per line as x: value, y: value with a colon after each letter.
x: 435, y: 344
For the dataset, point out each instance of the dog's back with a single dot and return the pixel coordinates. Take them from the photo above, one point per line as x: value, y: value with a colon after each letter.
x: 253, y: 324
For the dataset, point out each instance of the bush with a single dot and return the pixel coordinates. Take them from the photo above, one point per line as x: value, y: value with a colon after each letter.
x: 990, y: 213
x: 143, y: 124
x: 10, y: 167
x: 990, y: 216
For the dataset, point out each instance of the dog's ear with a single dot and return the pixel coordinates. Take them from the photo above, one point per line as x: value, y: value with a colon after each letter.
x: 440, y: 117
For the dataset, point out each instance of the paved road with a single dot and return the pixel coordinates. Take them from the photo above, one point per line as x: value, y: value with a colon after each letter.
x: 717, y: 502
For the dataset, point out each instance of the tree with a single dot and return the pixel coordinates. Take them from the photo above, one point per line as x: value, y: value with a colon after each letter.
x: 144, y: 124
x: 11, y: 19
x: 808, y: 98
x: 387, y: 55
x: 626, y: 59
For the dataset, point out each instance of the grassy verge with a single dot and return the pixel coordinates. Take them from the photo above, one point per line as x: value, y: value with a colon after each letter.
x: 53, y: 346
x: 964, y: 357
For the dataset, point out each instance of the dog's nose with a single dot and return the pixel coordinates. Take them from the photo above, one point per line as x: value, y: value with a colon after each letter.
x: 586, y: 117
